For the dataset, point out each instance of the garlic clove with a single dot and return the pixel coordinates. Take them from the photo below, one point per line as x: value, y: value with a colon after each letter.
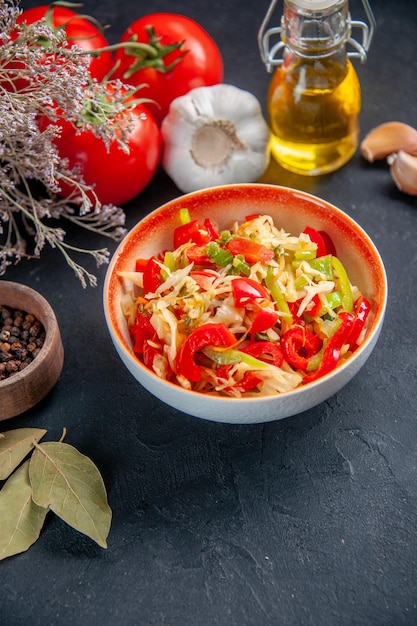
x: 403, y: 168
x: 389, y: 138
x: 215, y: 136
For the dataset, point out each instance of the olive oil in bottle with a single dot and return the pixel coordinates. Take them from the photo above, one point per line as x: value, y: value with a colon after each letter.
x: 314, y: 98
x: 313, y: 115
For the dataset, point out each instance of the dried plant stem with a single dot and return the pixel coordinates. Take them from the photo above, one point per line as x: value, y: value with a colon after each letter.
x: 32, y: 81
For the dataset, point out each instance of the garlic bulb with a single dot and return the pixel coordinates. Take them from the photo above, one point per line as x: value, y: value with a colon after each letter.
x: 215, y: 136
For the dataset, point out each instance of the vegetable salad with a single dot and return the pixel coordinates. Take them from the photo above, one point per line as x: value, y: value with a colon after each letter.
x: 248, y: 311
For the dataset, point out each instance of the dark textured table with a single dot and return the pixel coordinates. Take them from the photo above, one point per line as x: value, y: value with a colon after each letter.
x: 306, y: 521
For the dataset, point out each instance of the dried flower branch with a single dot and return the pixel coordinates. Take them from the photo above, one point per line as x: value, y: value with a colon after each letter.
x: 31, y: 170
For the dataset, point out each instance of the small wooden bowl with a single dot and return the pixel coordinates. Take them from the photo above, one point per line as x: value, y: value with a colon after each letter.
x: 22, y: 390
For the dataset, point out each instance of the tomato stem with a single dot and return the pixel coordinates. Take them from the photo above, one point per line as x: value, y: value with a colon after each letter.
x: 150, y: 54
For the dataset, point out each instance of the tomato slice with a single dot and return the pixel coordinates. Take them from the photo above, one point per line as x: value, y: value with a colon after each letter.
x: 252, y: 251
x: 264, y: 320
x: 204, y: 279
x: 198, y: 255
x: 248, y: 291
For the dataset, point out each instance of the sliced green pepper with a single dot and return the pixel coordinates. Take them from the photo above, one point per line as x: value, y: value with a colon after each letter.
x: 301, y: 282
x: 169, y: 263
x: 323, y: 264
x: 334, y: 299
x: 343, y: 283
x: 185, y: 216
x: 305, y: 255
x: 218, y: 255
x: 239, y: 266
x: 225, y: 237
x: 278, y: 296
x: 226, y: 357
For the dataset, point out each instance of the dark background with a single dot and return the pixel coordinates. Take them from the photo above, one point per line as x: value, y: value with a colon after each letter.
x: 306, y: 521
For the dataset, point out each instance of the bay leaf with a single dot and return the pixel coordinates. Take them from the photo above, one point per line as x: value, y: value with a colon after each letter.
x: 21, y: 520
x: 70, y: 484
x: 15, y: 445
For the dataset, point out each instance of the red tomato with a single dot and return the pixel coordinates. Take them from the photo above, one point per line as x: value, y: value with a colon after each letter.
x: 201, y: 65
x: 79, y: 30
x: 117, y: 176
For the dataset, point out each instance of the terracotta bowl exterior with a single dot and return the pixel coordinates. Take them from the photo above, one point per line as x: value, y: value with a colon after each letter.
x: 24, y: 389
x: 291, y: 209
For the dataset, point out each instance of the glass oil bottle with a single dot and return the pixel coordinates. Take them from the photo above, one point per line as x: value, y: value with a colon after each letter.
x: 314, y: 98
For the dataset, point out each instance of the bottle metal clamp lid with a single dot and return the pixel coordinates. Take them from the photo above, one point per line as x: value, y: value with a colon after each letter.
x: 271, y: 53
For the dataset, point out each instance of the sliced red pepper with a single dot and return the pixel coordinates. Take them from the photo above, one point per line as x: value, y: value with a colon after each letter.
x: 293, y: 308
x: 140, y: 264
x: 213, y: 234
x: 265, y: 351
x: 191, y: 231
x: 298, y: 346
x: 331, y: 354
x: 316, y: 237
x: 152, y: 275
x: 253, y: 216
x: 249, y: 381
x: 206, y: 335
x: 223, y: 371
x: 264, y: 320
x: 248, y: 291
x: 328, y: 241
x: 314, y: 307
x: 149, y: 354
x: 140, y: 332
x: 252, y: 251
x: 361, y: 311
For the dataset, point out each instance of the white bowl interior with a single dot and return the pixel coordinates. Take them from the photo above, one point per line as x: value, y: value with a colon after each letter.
x: 292, y: 210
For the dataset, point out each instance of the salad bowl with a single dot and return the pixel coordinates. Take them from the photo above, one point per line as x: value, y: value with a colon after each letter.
x: 291, y: 210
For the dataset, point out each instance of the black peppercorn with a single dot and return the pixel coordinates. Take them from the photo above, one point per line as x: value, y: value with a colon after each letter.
x: 21, y: 339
